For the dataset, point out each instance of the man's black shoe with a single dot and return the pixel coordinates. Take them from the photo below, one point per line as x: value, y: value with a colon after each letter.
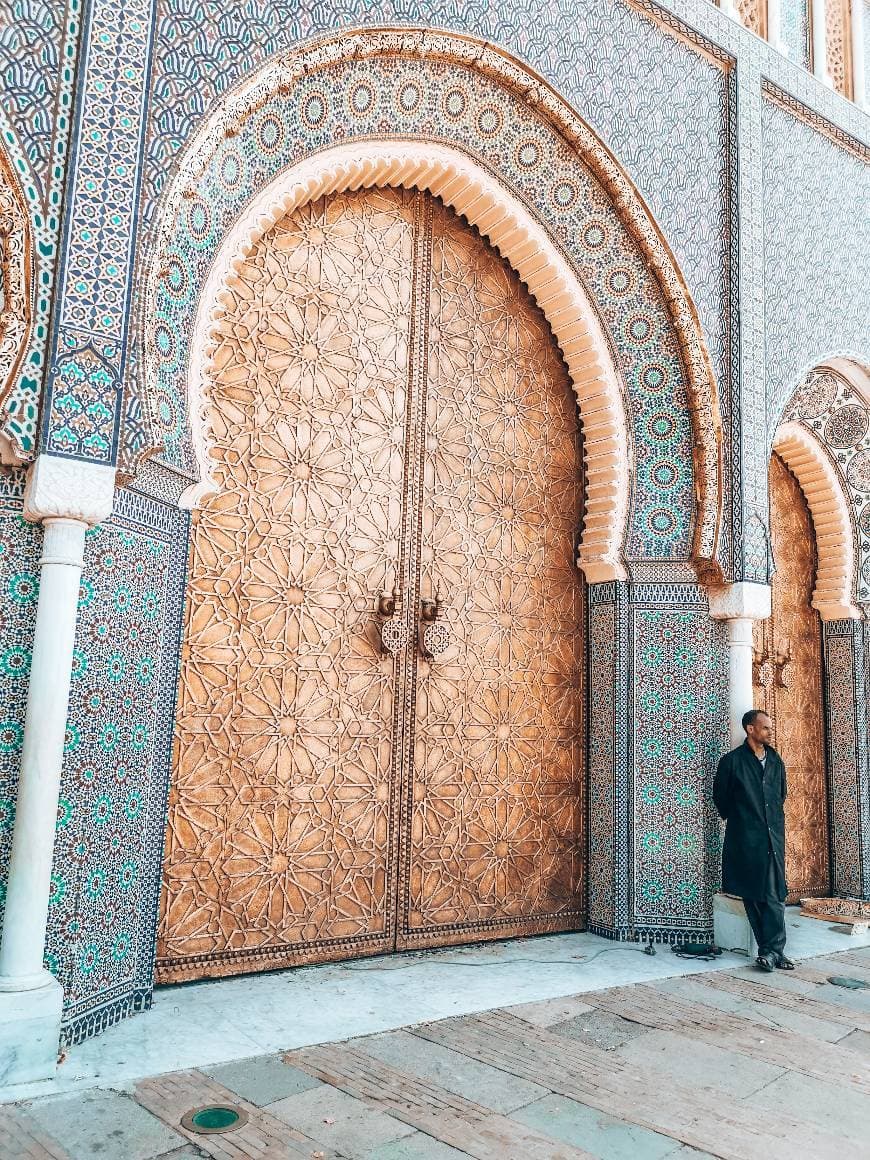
x: 766, y: 963
x: 782, y: 962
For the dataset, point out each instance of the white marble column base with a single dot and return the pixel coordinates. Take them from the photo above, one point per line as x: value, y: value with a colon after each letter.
x: 731, y: 929
x: 30, y: 1032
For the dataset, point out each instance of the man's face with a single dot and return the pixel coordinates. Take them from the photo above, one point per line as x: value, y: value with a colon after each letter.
x: 761, y: 730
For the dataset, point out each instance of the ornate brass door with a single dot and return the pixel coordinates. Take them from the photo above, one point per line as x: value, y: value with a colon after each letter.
x: 788, y: 684
x: 390, y: 408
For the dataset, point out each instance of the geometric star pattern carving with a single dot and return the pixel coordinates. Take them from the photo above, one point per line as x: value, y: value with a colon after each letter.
x: 389, y: 407
x: 497, y: 820
x: 791, y: 691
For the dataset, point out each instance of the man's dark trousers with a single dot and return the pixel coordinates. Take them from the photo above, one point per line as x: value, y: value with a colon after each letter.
x: 767, y: 916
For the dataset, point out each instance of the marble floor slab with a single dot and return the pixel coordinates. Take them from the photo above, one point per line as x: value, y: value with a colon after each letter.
x: 645, y: 1072
x: 201, y: 1025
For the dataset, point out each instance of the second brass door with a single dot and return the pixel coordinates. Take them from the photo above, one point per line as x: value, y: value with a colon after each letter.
x: 788, y: 684
x: 390, y: 408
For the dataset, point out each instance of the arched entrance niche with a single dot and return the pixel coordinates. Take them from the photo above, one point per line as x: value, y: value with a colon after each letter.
x: 390, y: 413
x: 465, y: 121
x: 810, y: 657
x: 442, y: 116
x: 788, y: 681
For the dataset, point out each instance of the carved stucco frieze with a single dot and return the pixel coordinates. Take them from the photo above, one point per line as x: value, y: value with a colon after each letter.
x: 16, y: 276
x: 832, y: 520
x: 824, y: 437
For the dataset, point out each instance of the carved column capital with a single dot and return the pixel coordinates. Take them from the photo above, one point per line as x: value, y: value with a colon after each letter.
x: 742, y: 600
x: 69, y: 489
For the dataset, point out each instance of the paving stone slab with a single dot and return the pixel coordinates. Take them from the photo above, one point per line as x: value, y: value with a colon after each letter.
x: 416, y: 1147
x: 782, y: 991
x: 600, y: 1028
x: 750, y: 1009
x: 551, y: 1011
x: 424, y: 1105
x: 692, y: 1112
x: 857, y: 1001
x: 857, y: 1041
x: 22, y: 1138
x: 103, y: 1125
x: 262, y: 1080
x: 261, y: 1134
x: 585, y: 1127
x: 339, y: 1121
x: 187, y: 1152
x: 832, y: 1106
x: 455, y: 1072
x: 696, y: 1063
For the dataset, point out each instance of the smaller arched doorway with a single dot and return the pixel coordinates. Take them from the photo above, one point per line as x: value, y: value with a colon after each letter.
x: 788, y: 679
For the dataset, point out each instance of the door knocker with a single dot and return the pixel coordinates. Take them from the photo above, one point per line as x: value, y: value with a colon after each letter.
x: 394, y: 630
x: 773, y: 669
x: 434, y: 634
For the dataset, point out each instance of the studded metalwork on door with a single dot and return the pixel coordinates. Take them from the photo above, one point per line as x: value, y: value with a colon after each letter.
x: 391, y: 412
x: 788, y: 684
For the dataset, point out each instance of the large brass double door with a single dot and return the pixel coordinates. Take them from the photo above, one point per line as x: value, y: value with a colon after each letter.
x: 390, y: 411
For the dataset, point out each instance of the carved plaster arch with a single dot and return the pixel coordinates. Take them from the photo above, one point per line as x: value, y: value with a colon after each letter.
x: 854, y: 370
x: 525, y: 239
x: 832, y: 520
x: 16, y: 280
x: 850, y: 366
x: 509, y: 227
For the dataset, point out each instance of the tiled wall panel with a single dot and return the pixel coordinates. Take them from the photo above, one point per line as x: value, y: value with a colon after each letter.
x: 20, y: 548
x: 111, y: 817
x: 816, y: 242
x: 658, y: 719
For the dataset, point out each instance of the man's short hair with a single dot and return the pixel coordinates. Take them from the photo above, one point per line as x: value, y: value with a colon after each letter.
x: 751, y: 716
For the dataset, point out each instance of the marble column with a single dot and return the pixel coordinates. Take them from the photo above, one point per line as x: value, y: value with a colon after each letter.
x: 68, y: 497
x: 740, y: 605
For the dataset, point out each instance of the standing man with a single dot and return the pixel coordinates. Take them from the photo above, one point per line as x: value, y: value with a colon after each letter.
x: 749, y: 792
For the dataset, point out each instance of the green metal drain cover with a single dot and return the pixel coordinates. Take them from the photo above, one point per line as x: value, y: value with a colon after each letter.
x: 214, y: 1118
x: 849, y: 984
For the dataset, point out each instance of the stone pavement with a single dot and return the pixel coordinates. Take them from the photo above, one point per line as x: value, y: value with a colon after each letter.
x: 730, y: 1063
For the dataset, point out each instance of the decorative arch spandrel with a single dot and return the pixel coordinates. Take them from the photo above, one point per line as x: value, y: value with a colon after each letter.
x: 430, y: 88
x: 824, y: 436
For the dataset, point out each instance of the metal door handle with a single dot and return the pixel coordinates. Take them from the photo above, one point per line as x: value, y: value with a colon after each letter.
x: 388, y: 603
x: 430, y: 609
x: 433, y: 635
x: 394, y: 630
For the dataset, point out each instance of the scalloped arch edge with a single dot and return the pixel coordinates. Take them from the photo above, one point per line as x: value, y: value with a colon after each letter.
x: 510, y: 228
x: 804, y: 456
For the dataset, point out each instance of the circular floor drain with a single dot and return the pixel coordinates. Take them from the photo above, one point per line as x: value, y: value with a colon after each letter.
x: 849, y: 984
x: 214, y: 1118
